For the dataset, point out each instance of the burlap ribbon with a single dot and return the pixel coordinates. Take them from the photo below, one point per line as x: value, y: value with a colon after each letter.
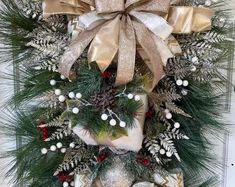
x: 116, y: 26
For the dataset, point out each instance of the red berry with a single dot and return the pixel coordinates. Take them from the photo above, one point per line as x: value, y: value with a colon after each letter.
x: 106, y: 75
x: 44, y: 131
x: 101, y: 158
x: 63, y: 177
x: 149, y: 114
x: 145, y: 162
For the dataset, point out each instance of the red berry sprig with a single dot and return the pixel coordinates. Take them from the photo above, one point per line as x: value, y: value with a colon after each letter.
x: 62, y: 177
x: 44, y: 131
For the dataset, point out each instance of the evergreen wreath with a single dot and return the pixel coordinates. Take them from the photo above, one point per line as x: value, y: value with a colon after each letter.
x: 50, y: 109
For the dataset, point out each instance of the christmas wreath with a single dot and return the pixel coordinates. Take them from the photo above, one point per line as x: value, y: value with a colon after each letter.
x: 115, y: 93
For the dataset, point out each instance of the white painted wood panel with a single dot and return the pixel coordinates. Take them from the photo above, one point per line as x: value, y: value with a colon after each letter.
x: 228, y: 179
x: 6, y: 89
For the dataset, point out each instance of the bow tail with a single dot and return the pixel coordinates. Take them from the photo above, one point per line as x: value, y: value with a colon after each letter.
x: 163, y: 49
x: 127, y: 52
x: 155, y: 64
x: 105, y: 44
x: 75, y: 50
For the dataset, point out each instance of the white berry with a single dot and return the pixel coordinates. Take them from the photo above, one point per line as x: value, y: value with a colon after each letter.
x: 179, y: 82
x: 59, y: 145
x: 195, y: 59
x: 137, y: 98
x: 122, y: 124
x: 130, y: 96
x: 62, y: 77
x: 113, y: 122
x: 184, y: 92
x: 185, y: 83
x: 72, y: 145
x: 104, y: 117
x: 52, y: 82
x: 57, y: 92
x: 72, y: 183
x: 53, y: 148
x: 44, y: 151
x: 79, y: 95
x: 168, y: 154
x: 71, y: 95
x: 208, y: 3
x: 75, y: 110
x: 162, y: 151
x: 193, y: 68
x: 65, y: 184
x: 168, y: 116
x: 62, y: 98
x: 167, y: 111
x: 63, y: 150
x: 177, y: 125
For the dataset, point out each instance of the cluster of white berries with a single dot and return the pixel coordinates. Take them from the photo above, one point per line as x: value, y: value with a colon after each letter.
x: 132, y: 96
x: 180, y: 82
x: 66, y: 184
x: 195, y: 61
x: 168, y: 114
x: 163, y: 152
x: 72, y: 95
x: 184, y: 83
x: 62, y: 98
x: 53, y: 148
x: 53, y: 82
x: 58, y: 92
x: 112, y: 121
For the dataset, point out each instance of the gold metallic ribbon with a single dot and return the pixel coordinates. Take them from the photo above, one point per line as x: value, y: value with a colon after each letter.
x: 71, y: 7
x: 116, y: 26
x: 189, y: 19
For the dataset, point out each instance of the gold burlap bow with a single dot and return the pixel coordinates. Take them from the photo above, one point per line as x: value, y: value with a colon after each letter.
x: 117, y: 26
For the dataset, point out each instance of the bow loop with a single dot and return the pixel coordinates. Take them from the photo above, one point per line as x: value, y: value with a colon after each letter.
x: 105, y: 44
x: 159, y: 7
x: 109, y: 6
x: 154, y: 23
